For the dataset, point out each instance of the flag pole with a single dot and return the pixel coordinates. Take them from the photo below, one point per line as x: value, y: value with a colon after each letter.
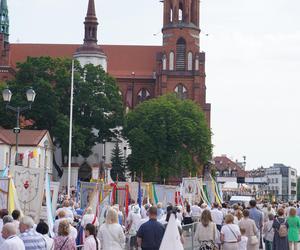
x: 70, y: 131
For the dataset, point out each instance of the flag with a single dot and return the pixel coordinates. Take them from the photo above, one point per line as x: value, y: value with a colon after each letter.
x: 171, y: 239
x: 5, y: 172
x: 49, y: 204
x: 140, y: 195
x: 35, y: 153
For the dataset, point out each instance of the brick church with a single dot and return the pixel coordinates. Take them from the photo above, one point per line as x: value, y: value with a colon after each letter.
x: 142, y: 72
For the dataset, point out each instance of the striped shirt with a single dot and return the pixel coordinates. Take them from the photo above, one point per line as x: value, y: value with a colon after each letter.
x: 33, y: 240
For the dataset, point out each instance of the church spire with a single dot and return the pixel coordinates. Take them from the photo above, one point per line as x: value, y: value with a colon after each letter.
x: 91, y: 24
x: 91, y: 9
x: 90, y: 52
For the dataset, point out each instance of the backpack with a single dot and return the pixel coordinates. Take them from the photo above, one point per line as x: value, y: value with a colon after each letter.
x: 282, y: 231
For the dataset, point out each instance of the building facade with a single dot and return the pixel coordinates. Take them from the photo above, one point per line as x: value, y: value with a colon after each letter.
x: 35, y: 149
x: 282, y: 182
x: 142, y: 72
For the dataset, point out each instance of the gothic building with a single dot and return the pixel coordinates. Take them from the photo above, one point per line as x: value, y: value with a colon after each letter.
x: 142, y: 72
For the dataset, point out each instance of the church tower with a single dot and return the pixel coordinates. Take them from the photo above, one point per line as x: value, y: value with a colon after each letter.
x: 181, y: 65
x: 90, y: 52
x: 4, y: 33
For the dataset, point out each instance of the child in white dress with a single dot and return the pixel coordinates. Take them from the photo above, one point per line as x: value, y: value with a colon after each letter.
x: 244, y: 240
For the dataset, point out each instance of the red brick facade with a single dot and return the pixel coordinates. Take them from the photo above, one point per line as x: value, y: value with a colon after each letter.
x: 142, y: 72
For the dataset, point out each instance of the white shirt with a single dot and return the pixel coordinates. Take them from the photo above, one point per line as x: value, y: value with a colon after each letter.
x: 89, y: 218
x: 90, y: 243
x: 134, y: 219
x: 112, y: 237
x: 217, y: 216
x: 13, y: 243
x: 73, y: 232
x: 243, y: 243
x: 231, y: 232
x: 196, y: 210
x: 49, y: 242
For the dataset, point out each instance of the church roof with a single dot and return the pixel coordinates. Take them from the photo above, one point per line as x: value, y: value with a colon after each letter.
x: 122, y: 59
x: 26, y: 137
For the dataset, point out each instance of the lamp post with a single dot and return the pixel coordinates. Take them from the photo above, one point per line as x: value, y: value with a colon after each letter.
x: 7, y: 94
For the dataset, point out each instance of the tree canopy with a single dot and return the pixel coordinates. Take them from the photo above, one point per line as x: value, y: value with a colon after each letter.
x: 98, y: 107
x: 168, y: 137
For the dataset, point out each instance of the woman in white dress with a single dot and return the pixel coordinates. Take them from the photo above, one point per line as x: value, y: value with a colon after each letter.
x: 230, y: 234
x: 111, y: 233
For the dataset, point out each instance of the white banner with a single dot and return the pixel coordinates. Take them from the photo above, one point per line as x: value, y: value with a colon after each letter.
x: 29, y: 183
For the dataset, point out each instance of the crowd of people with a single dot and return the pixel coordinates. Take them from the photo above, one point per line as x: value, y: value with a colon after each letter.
x: 236, y: 227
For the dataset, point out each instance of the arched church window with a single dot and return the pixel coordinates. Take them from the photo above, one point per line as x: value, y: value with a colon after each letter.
x: 164, y: 61
x: 143, y: 95
x: 181, y: 92
x: 180, y: 54
x: 190, y: 61
x: 180, y: 12
x: 171, y: 15
x: 171, y: 61
x: 197, y: 63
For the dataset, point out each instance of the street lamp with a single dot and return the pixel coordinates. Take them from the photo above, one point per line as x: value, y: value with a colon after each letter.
x: 7, y: 94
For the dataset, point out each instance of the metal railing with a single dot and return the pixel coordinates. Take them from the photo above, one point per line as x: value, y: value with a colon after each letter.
x: 188, y: 232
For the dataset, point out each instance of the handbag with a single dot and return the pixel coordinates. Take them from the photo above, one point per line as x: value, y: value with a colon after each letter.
x: 253, y: 240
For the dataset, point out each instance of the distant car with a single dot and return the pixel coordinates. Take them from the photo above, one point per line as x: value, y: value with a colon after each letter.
x: 240, y: 199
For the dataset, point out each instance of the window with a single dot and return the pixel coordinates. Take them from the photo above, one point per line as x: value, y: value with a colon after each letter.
x: 143, y: 95
x: 164, y: 60
x: 190, y: 61
x: 180, y: 54
x: 181, y: 92
x: 171, y: 61
x: 292, y: 172
x: 171, y: 15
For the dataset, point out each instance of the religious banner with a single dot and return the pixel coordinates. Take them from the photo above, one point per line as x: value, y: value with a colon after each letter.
x: 165, y: 194
x: 88, y: 193
x: 4, y: 187
x: 29, y: 183
x: 189, y: 187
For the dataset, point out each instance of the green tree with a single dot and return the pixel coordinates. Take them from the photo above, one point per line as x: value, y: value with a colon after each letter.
x: 118, y: 164
x: 97, y: 108
x: 168, y: 137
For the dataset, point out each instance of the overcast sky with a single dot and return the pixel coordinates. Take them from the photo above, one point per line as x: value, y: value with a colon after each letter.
x: 253, y: 62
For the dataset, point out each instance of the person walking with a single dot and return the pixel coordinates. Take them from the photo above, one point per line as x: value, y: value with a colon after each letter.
x: 111, y: 233
x: 257, y: 216
x: 293, y: 231
x: 280, y: 225
x: 89, y: 217
x: 206, y: 232
x: 91, y: 242
x: 63, y: 240
x: 30, y: 237
x: 230, y: 234
x: 150, y: 234
x: 251, y: 231
x: 43, y: 229
x: 217, y: 216
x: 269, y: 232
x: 11, y: 240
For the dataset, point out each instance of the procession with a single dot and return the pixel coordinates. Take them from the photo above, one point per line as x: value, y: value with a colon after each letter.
x: 147, y: 125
